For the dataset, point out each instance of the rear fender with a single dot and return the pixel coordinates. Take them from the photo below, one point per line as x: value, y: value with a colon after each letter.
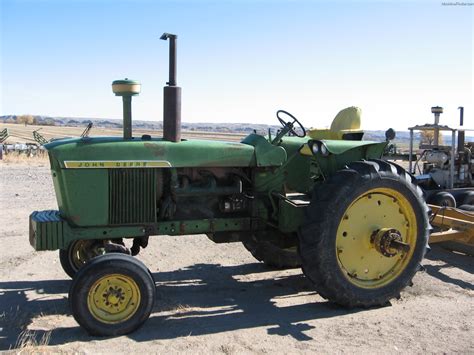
x: 339, y: 153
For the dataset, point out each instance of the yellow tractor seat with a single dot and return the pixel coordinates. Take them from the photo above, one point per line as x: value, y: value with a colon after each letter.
x: 345, y: 126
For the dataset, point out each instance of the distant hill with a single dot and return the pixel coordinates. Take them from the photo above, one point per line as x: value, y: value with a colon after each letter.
x: 148, y: 125
x: 402, y: 137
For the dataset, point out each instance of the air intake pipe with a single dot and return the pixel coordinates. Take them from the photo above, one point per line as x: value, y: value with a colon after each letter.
x: 171, y: 97
x: 126, y: 88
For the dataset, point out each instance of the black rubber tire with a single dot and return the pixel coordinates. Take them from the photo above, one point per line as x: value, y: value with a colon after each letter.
x: 466, y: 198
x: 318, y: 234
x: 98, y: 267
x: 442, y: 198
x: 66, y: 259
x: 469, y: 208
x: 273, y: 255
x: 68, y: 266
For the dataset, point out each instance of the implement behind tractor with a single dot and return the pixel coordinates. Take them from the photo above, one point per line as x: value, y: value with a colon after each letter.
x: 454, y: 226
x: 357, y: 225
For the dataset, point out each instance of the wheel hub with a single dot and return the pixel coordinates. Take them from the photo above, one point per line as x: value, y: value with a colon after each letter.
x: 389, y: 242
x: 113, y: 296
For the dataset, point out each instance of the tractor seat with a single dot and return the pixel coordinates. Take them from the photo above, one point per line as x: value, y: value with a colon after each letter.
x: 345, y: 126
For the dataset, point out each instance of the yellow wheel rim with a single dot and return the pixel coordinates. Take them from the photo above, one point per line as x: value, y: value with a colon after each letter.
x: 374, y: 210
x: 113, y: 298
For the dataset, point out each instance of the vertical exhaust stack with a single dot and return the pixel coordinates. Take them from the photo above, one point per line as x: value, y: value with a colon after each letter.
x: 437, y: 111
x: 171, y: 97
x: 461, y: 133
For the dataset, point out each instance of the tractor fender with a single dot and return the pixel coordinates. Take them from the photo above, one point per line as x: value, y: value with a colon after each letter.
x: 337, y: 147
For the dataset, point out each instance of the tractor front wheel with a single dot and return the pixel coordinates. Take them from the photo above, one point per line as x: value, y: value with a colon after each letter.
x: 365, y: 235
x: 113, y: 294
x: 78, y: 253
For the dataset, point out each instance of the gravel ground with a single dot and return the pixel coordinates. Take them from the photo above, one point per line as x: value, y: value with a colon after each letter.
x: 217, y: 298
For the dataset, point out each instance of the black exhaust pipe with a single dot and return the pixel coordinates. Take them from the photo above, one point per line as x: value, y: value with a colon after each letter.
x: 171, y: 97
x: 461, y: 133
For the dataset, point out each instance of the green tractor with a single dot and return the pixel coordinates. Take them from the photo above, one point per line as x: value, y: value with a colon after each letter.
x: 356, y: 225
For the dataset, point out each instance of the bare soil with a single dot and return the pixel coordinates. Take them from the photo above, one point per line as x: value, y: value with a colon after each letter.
x: 217, y: 299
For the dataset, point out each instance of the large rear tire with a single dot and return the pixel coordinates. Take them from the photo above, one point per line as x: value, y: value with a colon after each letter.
x: 113, y: 294
x: 365, y: 234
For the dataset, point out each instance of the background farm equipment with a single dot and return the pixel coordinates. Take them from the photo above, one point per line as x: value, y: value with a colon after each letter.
x: 28, y: 149
x: 38, y: 137
x: 29, y: 143
x: 445, y: 173
x: 357, y: 225
x: 455, y: 228
x: 443, y: 166
x: 4, y: 135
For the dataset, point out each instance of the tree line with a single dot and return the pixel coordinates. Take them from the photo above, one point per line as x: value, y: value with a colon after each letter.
x: 31, y: 120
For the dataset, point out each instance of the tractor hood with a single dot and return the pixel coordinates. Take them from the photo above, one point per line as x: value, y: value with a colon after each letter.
x: 110, y: 152
x: 115, y: 152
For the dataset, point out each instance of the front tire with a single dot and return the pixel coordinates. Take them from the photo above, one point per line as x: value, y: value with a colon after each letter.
x: 365, y: 234
x: 113, y: 294
x: 78, y: 253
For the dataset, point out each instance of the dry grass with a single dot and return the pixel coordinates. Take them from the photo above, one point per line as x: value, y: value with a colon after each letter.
x: 227, y: 349
x: 182, y: 308
x: 175, y: 308
x: 29, y: 343
x: 23, y: 158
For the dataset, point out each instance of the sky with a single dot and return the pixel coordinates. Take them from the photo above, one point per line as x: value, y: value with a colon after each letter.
x: 241, y: 60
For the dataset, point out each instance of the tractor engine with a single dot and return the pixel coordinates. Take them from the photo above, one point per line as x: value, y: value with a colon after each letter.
x: 202, y: 193
x: 437, y: 164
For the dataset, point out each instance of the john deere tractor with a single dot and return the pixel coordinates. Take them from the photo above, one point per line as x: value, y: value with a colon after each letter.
x: 325, y: 202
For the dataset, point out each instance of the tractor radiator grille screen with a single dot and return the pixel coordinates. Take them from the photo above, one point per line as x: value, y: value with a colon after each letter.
x: 132, y: 196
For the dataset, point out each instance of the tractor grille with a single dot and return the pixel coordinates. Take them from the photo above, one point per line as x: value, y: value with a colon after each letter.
x: 132, y: 196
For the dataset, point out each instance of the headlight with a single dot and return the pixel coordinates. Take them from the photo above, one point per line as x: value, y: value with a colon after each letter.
x: 314, y: 147
x: 324, y: 149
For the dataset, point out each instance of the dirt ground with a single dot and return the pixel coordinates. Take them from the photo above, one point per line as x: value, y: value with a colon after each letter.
x: 217, y: 299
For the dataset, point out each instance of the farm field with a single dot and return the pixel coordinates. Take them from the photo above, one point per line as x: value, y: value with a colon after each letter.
x: 215, y: 298
x: 24, y: 134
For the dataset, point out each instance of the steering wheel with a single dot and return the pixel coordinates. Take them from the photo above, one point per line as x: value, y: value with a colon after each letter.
x: 290, y: 125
